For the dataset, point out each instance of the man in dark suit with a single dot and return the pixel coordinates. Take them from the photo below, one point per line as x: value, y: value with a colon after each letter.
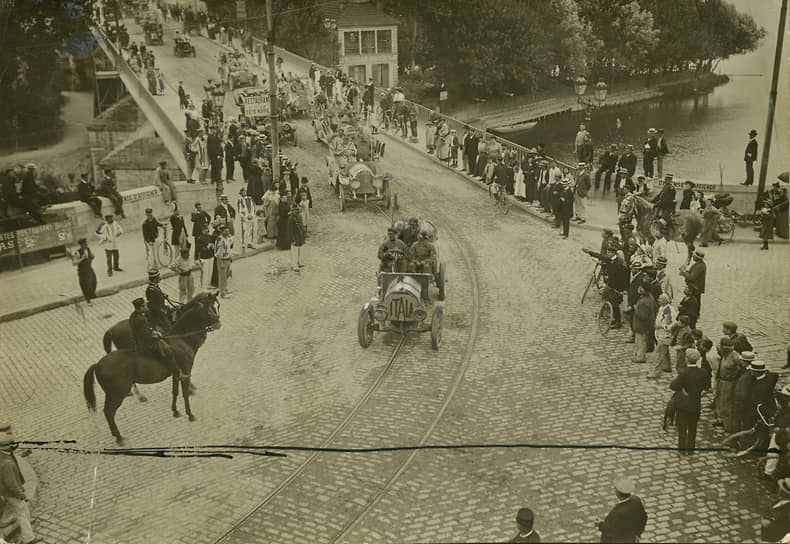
x: 607, y: 165
x: 661, y: 151
x: 695, y: 276
x: 88, y: 195
x: 692, y: 381
x: 214, y: 150
x: 226, y: 212
x: 650, y: 150
x: 200, y: 218
x: 627, y: 162
x: 749, y: 156
x: 471, y: 150
x: 627, y: 520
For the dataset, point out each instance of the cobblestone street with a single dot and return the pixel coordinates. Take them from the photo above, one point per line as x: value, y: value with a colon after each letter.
x: 521, y: 362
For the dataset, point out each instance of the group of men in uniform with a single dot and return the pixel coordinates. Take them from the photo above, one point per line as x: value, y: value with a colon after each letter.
x: 419, y: 253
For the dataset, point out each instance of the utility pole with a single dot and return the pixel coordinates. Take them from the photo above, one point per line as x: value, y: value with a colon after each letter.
x: 769, y: 124
x: 273, y: 110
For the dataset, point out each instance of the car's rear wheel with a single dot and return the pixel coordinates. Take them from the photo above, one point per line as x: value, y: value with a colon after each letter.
x: 436, y: 327
x: 365, y: 326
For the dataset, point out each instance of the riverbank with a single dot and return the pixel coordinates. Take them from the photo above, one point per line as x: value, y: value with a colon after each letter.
x: 519, y: 109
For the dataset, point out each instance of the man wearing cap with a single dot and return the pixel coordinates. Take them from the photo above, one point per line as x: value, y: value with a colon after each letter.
x: 627, y: 520
x: 564, y: 207
x: 422, y: 256
x: 749, y: 156
x: 392, y: 242
x: 12, y: 486
x: 226, y: 212
x: 150, y: 230
x: 149, y: 341
x: 109, y: 190
x: 525, y: 520
x: 164, y: 183
x: 200, y: 218
x: 158, y: 302
x: 730, y: 368
x: 246, y: 210
x: 650, y: 150
x: 184, y: 266
x: 108, y: 233
x: 583, y: 184
x: 664, y: 201
x: 663, y: 278
x: 627, y: 162
x: 695, y: 275
x: 690, y: 384
x: 88, y: 195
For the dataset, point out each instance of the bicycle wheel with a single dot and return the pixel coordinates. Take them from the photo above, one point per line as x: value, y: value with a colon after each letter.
x: 505, y: 203
x: 164, y: 254
x: 589, y: 284
x: 605, y: 315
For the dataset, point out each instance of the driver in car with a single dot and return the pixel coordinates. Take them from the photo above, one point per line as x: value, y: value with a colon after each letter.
x: 387, y: 261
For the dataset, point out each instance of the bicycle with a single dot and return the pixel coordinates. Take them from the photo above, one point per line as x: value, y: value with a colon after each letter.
x: 605, y: 315
x: 163, y: 251
x: 598, y: 277
x: 498, y: 196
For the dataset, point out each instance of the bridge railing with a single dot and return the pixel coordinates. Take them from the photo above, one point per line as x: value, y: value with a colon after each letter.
x: 171, y: 135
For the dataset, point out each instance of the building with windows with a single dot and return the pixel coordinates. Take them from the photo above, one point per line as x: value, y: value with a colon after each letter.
x: 367, y: 41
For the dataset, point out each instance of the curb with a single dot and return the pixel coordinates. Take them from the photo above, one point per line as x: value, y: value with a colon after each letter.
x: 535, y: 213
x: 108, y: 291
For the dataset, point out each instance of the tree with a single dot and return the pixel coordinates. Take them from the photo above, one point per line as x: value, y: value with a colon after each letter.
x: 35, y: 33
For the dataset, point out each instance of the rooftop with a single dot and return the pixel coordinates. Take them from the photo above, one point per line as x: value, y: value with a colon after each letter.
x: 358, y: 14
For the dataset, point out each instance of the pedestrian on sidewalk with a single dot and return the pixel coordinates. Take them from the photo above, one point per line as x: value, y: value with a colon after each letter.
x: 730, y: 368
x: 662, y: 150
x: 767, y: 220
x: 525, y: 520
x: 304, y: 202
x: 565, y: 207
x: 109, y: 231
x: 649, y: 152
x: 183, y: 103
x: 204, y: 253
x: 230, y: 160
x: 223, y: 255
x: 164, y: 183
x: 643, y: 325
x: 246, y: 211
x: 226, y: 212
x: 582, y: 138
x: 200, y: 219
x: 296, y: 236
x: 689, y: 385
x: 179, y: 237
x: 583, y: 184
x: 150, y: 229
x: 109, y: 189
x: 83, y: 260
x: 607, y: 164
x: 88, y: 195
x: 626, y: 521
x: 12, y: 487
x: 749, y: 156
x: 695, y: 275
x: 666, y: 318
x: 184, y: 266
x: 283, y: 232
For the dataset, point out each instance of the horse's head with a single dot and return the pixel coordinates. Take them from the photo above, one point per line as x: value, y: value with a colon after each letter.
x: 211, y: 305
x: 202, y: 312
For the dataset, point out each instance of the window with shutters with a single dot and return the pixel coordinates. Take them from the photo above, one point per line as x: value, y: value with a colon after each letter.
x: 368, y: 42
x: 351, y: 43
x: 384, y: 41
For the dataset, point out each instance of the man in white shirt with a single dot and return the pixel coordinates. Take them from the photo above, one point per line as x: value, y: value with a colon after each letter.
x: 665, y: 319
x: 108, y: 232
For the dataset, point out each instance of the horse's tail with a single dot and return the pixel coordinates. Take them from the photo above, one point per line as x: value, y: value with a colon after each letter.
x: 87, y: 388
x: 108, y: 341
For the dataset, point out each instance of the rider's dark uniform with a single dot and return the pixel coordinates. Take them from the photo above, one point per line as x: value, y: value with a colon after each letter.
x: 158, y: 307
x: 146, y: 341
x: 665, y: 203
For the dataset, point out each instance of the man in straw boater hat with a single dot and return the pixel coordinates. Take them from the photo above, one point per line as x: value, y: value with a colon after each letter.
x: 627, y: 520
x: 12, y: 490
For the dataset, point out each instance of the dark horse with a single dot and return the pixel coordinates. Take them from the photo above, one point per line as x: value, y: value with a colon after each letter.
x: 120, y: 334
x: 118, y: 371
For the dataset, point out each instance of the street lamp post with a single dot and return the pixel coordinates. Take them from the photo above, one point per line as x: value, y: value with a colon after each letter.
x: 600, y: 91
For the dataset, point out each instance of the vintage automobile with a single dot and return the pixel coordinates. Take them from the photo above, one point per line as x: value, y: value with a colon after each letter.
x: 183, y: 47
x: 153, y: 33
x: 358, y: 182
x: 401, y: 305
x: 239, y: 72
x: 439, y: 268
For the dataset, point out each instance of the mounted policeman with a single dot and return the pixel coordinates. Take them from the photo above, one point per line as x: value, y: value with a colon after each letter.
x: 160, y: 306
x: 148, y: 340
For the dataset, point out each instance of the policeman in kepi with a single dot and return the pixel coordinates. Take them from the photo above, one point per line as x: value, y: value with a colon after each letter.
x: 388, y: 261
x: 159, y: 304
x: 148, y: 340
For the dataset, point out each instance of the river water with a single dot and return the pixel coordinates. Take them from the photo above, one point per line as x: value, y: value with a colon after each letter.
x: 706, y: 134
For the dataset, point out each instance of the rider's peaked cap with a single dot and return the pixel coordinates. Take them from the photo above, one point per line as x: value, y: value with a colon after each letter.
x: 138, y: 303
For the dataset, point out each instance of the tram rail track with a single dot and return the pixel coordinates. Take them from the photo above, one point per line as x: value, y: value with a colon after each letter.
x: 468, y: 349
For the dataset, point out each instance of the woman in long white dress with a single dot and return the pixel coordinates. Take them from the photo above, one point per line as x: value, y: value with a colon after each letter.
x: 520, y: 186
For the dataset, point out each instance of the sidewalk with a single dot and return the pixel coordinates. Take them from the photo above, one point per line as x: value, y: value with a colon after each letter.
x: 43, y: 287
x: 601, y: 213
